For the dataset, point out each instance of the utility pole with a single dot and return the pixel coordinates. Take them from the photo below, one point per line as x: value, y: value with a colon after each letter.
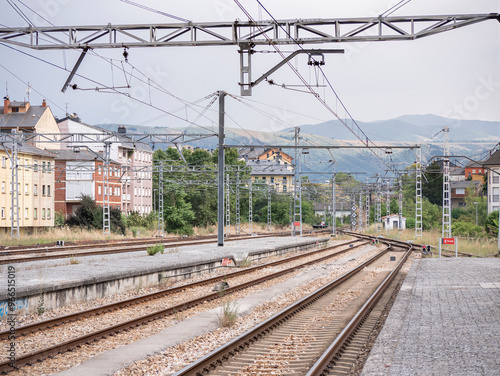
x: 220, y: 173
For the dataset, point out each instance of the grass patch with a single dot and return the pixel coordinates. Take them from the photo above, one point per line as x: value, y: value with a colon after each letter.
x: 229, y: 314
x: 73, y: 260
x: 158, y: 248
x: 246, y: 263
x: 481, y: 247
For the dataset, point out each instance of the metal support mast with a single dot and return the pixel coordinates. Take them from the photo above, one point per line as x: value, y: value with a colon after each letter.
x: 106, y: 220
x: 400, y: 202
x: 297, y: 194
x: 14, y: 200
x: 388, y: 204
x: 367, y: 208
x: 353, y: 212
x: 334, y: 204
x: 220, y: 173
x: 228, y: 206
x: 250, y: 208
x: 269, y: 191
x: 238, y: 220
x: 378, y: 208
x: 161, y: 225
x: 418, y: 194
x: 446, y: 233
x: 360, y: 209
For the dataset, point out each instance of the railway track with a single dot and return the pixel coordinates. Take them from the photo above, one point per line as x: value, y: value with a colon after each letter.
x: 415, y: 246
x: 291, y: 341
x: 38, y: 254
x: 57, y: 323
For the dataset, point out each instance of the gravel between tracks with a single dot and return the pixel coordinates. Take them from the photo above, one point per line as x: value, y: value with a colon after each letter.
x: 69, y: 359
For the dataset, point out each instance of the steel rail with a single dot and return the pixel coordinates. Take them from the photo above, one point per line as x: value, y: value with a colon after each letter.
x: 321, y: 365
x: 401, y: 243
x: 30, y: 328
x: 253, y: 334
x: 90, y: 337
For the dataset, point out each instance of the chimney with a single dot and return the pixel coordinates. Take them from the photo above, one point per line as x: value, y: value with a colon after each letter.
x: 122, y: 129
x: 44, y: 103
x: 6, y: 102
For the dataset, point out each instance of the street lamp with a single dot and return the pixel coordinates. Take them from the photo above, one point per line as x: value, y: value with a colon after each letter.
x: 475, y: 203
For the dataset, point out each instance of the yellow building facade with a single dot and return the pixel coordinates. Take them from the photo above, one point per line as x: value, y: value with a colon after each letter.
x: 35, y: 186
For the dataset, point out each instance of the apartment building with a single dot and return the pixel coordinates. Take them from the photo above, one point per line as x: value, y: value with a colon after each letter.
x: 35, y: 186
x: 493, y: 170
x: 134, y: 158
x: 25, y: 118
x: 81, y: 172
x: 280, y: 177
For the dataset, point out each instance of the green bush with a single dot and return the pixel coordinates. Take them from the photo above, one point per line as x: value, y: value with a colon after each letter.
x: 59, y: 219
x: 158, y: 248
x: 468, y: 229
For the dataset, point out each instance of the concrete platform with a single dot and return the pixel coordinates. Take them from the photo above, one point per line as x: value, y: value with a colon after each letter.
x: 445, y: 321
x: 61, y: 282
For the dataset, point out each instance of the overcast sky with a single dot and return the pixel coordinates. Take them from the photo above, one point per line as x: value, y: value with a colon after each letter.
x: 455, y: 74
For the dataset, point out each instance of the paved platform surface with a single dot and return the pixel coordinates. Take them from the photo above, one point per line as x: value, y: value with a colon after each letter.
x: 49, y: 275
x: 445, y: 321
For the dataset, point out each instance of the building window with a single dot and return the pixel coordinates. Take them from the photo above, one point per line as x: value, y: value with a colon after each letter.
x: 99, y: 169
x: 495, y: 179
x: 35, y: 189
x: 3, y: 213
x: 26, y: 213
x: 35, y: 166
x: 272, y: 179
x: 26, y: 189
x: 48, y: 167
x: 3, y: 187
x: 26, y: 164
x: 99, y: 189
x: 43, y: 190
x: 4, y: 162
x: 43, y: 213
x: 43, y: 166
x: 48, y: 213
x: 35, y: 213
x: 48, y: 190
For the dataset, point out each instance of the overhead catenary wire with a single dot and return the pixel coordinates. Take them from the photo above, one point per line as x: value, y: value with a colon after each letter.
x: 36, y: 91
x: 365, y: 139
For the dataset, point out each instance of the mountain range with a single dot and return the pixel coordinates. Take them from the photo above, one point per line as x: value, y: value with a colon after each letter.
x: 471, y: 138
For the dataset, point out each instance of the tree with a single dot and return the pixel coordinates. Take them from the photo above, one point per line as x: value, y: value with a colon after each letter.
x: 491, y: 224
x: 433, y: 187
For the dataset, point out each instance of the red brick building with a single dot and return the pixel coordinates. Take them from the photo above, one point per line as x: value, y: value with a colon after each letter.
x: 82, y: 173
x: 475, y: 171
